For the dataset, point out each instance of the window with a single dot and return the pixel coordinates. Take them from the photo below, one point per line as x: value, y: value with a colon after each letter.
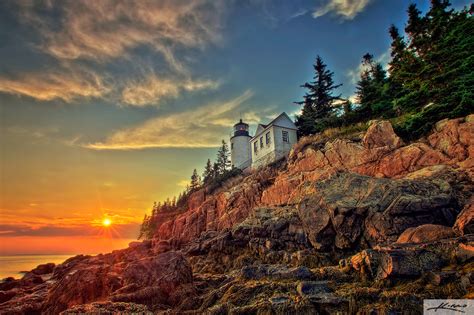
x: 284, y: 135
x: 231, y: 145
x: 255, y: 147
x: 267, y: 138
x: 261, y: 142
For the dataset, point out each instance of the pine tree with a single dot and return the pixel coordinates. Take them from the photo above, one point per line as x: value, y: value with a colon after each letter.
x: 208, y: 173
x: 372, y: 89
x: 318, y: 100
x: 432, y: 72
x: 223, y: 160
x: 215, y: 170
x: 195, y: 181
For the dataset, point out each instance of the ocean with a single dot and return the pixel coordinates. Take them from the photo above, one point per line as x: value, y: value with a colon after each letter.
x: 11, y: 266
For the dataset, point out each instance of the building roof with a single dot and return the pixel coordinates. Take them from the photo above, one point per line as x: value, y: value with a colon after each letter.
x: 283, y: 117
x: 241, y: 123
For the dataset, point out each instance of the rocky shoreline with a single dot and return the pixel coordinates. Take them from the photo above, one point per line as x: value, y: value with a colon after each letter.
x: 359, y: 224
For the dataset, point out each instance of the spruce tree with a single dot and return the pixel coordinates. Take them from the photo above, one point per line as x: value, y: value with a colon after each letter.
x: 318, y: 100
x: 208, y: 173
x: 372, y: 89
x: 215, y: 170
x: 195, y: 181
x: 223, y: 160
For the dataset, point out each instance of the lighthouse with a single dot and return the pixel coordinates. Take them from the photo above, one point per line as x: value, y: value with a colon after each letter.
x: 240, y: 154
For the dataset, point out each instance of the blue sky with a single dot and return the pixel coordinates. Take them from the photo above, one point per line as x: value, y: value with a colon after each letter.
x: 107, y: 106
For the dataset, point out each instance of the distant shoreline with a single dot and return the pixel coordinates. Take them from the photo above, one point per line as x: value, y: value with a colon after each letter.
x: 16, y: 265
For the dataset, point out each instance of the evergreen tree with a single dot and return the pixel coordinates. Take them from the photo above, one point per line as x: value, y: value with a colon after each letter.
x: 195, y: 181
x: 372, y: 89
x: 223, y: 160
x: 317, y: 101
x: 208, y: 172
x: 432, y: 74
x: 215, y: 170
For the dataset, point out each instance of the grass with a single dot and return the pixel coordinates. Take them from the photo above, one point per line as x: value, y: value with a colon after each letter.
x: 318, y: 140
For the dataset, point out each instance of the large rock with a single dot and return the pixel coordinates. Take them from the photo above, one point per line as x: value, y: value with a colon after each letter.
x: 465, y: 220
x: 221, y: 210
x: 425, y: 233
x: 103, y: 278
x: 380, y: 153
x: 348, y: 209
x: 44, y: 269
x: 380, y: 134
x: 132, y: 275
x: 408, y: 260
x: 454, y: 138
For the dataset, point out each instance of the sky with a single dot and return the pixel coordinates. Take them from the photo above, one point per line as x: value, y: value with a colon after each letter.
x: 107, y: 106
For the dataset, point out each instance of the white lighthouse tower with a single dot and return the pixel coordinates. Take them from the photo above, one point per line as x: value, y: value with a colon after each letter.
x: 240, y: 154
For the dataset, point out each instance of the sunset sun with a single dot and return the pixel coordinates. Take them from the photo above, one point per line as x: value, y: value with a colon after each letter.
x: 106, y: 222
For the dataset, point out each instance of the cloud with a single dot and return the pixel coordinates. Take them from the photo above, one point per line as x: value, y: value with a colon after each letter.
x: 86, y: 36
x: 151, y: 89
x: 65, y: 84
x: 69, y: 83
x: 13, y: 230
x: 101, y: 30
x: 348, y: 9
x: 12, y: 225
x: 201, y: 127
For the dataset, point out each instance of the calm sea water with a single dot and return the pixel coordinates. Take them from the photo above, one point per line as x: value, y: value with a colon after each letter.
x: 11, y: 266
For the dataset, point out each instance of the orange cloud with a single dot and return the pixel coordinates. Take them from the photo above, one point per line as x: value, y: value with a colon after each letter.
x: 67, y: 84
x: 106, y: 29
x: 151, y: 90
x: 201, y: 127
x: 100, y: 31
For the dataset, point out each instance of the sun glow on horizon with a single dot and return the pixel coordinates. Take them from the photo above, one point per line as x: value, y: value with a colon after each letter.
x: 106, y: 222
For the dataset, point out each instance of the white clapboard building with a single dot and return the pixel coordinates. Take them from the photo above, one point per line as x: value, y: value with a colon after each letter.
x: 270, y: 143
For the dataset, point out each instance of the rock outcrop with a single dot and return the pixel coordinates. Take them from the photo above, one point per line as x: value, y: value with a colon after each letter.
x: 379, y: 153
x: 465, y: 220
x: 361, y: 224
x: 425, y: 233
x: 133, y: 275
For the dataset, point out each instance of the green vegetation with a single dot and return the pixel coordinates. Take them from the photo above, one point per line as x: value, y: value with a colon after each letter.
x: 215, y: 174
x: 430, y: 78
x: 317, y: 101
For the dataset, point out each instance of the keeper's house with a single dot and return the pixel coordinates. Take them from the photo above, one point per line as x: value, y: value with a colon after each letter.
x: 270, y: 143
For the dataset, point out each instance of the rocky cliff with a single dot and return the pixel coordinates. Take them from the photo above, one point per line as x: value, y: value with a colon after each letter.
x: 357, y: 224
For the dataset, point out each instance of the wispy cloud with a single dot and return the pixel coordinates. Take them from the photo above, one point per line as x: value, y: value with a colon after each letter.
x: 65, y: 84
x: 200, y: 127
x: 106, y: 29
x: 152, y: 89
x: 347, y: 9
x: 86, y: 37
